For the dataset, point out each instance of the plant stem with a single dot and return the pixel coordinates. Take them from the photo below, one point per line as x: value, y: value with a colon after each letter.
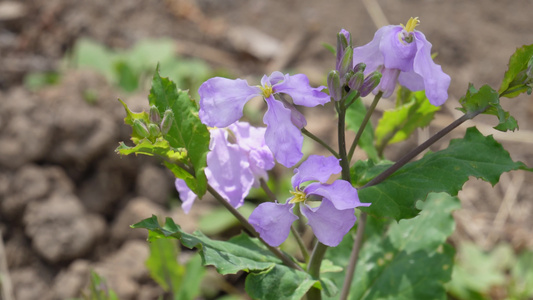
x: 345, y: 162
x: 354, y: 256
x: 314, y: 269
x: 413, y: 153
x: 368, y: 114
x: 267, y: 190
x: 321, y: 142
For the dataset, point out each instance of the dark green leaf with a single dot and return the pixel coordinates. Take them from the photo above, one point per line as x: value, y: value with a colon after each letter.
x: 186, y: 131
x: 278, y: 282
x: 365, y: 170
x: 516, y: 81
x: 443, y: 171
x: 354, y: 117
x: 488, y: 101
x: 411, y: 261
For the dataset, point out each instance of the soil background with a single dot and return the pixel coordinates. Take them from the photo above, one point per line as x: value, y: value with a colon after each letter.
x: 66, y: 198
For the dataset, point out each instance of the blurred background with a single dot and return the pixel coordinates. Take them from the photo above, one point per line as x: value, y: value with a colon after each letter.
x: 67, y: 199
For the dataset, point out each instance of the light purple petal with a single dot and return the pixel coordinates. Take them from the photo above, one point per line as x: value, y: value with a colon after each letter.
x: 222, y: 100
x: 341, y: 193
x: 316, y: 167
x: 411, y: 80
x: 369, y: 53
x: 273, y: 222
x: 297, y: 118
x: 228, y: 171
x: 397, y: 54
x: 186, y: 195
x: 273, y: 79
x: 329, y: 224
x: 251, y: 140
x: 283, y: 138
x: 436, y: 82
x: 297, y: 86
x: 388, y: 82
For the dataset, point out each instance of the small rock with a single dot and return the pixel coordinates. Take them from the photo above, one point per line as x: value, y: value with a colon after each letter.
x: 59, y: 228
x: 69, y: 282
x: 29, y: 285
x: 154, y: 183
x: 135, y: 211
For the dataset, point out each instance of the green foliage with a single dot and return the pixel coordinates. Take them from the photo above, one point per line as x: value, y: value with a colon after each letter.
x: 487, y: 101
x: 410, y: 261
x: 519, y: 76
x: 220, y: 219
x: 98, y: 289
x: 414, y: 111
x: 184, y: 138
x: 128, y: 69
x: 35, y: 81
x: 443, y: 171
x: 240, y: 253
x: 354, y: 117
x: 477, y: 273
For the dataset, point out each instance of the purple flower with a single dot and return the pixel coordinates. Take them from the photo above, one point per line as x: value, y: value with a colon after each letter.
x: 402, y: 54
x: 238, y: 158
x: 330, y: 220
x: 222, y: 101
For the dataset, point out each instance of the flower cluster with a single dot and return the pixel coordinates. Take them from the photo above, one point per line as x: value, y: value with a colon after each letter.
x: 402, y: 54
x: 222, y: 101
x: 237, y: 159
x: 330, y: 220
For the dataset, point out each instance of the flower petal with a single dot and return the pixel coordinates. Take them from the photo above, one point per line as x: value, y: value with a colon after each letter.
x: 329, y: 224
x: 186, y: 195
x: 297, y: 86
x: 341, y: 193
x: 228, y: 171
x: 273, y: 222
x: 283, y: 138
x: 388, y: 81
x: 222, y: 100
x: 411, y: 80
x: 316, y: 167
x: 397, y: 54
x: 369, y: 53
x: 436, y: 82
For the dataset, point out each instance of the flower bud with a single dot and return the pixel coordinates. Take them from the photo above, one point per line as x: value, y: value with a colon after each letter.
x: 155, y: 117
x: 334, y: 85
x: 356, y: 81
x: 140, y: 128
x: 346, y: 62
x: 168, y: 117
x: 153, y: 129
x: 359, y: 67
x: 370, y: 83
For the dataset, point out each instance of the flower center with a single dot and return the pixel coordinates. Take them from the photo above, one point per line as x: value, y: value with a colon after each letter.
x: 299, y: 196
x: 411, y: 24
x: 406, y: 35
x: 267, y: 90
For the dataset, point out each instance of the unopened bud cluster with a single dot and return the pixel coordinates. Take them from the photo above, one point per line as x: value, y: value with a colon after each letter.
x: 156, y: 126
x: 348, y: 77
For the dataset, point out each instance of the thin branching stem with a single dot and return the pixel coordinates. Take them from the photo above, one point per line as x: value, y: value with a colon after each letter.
x: 354, y: 255
x: 368, y: 114
x: 321, y: 142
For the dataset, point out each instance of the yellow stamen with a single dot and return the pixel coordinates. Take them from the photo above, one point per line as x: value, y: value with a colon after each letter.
x: 411, y: 24
x: 267, y: 90
x: 299, y: 196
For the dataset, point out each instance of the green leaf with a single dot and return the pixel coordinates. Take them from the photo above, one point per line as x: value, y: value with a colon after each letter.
x: 365, y: 170
x: 516, y: 81
x: 268, y: 276
x: 399, y: 123
x: 186, y: 131
x: 160, y: 148
x: 163, y: 265
x: 488, y: 101
x: 354, y: 117
x: 278, y: 282
x: 191, y: 284
x: 443, y: 171
x: 411, y: 261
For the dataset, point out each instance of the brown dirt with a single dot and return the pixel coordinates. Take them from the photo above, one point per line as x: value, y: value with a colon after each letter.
x: 66, y: 198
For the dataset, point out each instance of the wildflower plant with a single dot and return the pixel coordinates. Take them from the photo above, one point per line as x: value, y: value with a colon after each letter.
x: 379, y: 227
